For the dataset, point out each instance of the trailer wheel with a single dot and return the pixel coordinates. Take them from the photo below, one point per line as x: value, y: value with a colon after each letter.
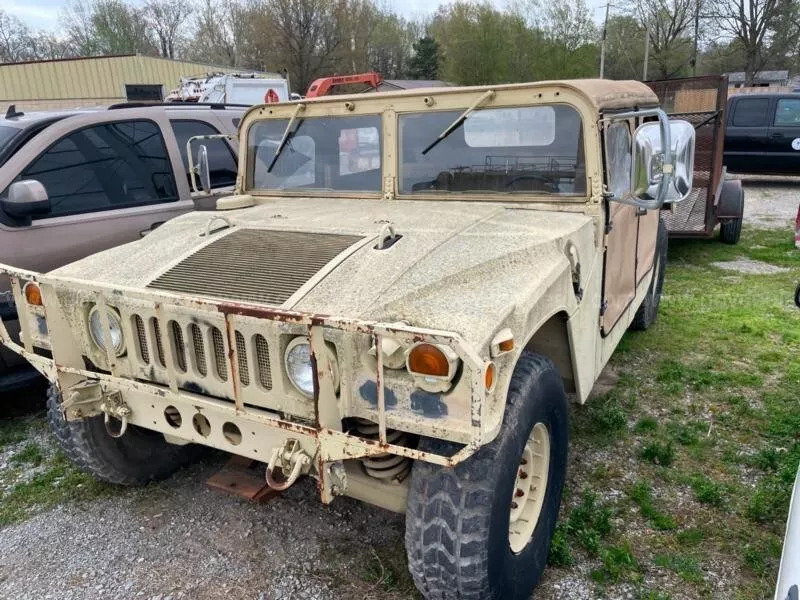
x: 482, y: 529
x: 136, y: 458
x: 648, y: 309
x: 731, y: 202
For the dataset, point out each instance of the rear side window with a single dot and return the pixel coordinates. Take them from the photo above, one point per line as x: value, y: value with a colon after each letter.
x: 221, y: 161
x: 104, y: 167
x: 751, y: 112
x: 788, y: 112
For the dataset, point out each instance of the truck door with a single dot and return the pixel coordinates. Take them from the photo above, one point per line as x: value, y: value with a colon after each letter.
x: 747, y: 146
x: 622, y: 225
x: 784, y: 136
x: 107, y: 182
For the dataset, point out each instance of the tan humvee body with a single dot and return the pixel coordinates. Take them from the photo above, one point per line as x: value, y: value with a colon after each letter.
x: 207, y: 367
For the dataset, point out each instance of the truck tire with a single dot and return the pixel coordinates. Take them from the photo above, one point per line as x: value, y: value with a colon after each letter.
x: 648, y: 309
x: 464, y: 538
x: 136, y: 458
x: 731, y: 202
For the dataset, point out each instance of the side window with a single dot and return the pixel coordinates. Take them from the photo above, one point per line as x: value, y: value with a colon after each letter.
x: 221, y: 161
x: 788, y: 112
x: 104, y: 167
x: 751, y: 112
x: 618, y: 153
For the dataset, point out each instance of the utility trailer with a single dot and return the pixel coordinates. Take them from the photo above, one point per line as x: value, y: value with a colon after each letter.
x: 714, y: 197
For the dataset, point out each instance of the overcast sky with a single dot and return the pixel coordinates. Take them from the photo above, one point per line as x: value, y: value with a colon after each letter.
x: 43, y: 14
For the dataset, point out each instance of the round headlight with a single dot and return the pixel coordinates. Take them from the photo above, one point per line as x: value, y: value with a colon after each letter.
x: 298, y: 366
x: 114, y: 326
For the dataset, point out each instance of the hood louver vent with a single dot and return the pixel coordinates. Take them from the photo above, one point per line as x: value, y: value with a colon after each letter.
x: 255, y: 265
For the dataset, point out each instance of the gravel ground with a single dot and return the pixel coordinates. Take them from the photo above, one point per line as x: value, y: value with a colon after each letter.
x: 180, y: 540
x: 770, y: 202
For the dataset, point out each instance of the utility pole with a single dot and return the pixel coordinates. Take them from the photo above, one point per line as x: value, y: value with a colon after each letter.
x: 646, y: 52
x: 603, y: 44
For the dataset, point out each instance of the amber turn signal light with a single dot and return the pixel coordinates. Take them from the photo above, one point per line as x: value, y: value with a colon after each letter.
x: 427, y: 359
x: 33, y: 295
x: 489, y: 377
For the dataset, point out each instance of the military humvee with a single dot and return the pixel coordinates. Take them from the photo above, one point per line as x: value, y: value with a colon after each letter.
x: 396, y: 302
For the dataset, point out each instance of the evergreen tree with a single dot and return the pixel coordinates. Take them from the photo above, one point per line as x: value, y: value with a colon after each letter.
x: 425, y: 62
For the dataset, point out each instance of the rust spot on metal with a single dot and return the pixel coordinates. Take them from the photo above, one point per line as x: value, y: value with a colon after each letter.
x: 273, y: 314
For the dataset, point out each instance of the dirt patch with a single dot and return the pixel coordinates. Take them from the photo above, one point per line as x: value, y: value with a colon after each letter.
x: 749, y: 267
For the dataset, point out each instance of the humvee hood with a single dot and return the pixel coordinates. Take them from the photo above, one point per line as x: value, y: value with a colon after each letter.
x: 457, y: 266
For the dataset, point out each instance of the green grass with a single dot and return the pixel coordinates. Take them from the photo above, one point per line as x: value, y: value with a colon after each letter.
x: 710, y: 393
x: 31, y: 454
x: 706, y: 490
x: 685, y: 566
x: 59, y: 482
x: 642, y: 496
x: 658, y: 453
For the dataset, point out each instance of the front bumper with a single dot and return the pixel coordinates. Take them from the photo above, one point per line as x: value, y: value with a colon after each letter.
x: 190, y: 404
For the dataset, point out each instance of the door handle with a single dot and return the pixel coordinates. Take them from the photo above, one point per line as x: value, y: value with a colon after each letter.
x: 776, y: 135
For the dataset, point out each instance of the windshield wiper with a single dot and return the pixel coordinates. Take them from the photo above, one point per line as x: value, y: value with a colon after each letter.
x: 285, y: 137
x: 460, y: 120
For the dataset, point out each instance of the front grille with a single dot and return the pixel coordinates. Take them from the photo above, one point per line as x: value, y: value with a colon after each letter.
x: 262, y: 362
x: 220, y: 363
x: 141, y: 334
x: 179, y: 349
x: 199, y: 350
x: 241, y: 359
x: 255, y: 265
x: 195, y: 347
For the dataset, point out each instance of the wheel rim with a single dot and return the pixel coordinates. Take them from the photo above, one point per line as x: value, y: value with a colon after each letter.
x: 530, y: 486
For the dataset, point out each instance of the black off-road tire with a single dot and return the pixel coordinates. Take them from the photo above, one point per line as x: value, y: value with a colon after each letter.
x: 136, y: 458
x: 648, y: 309
x: 457, y: 520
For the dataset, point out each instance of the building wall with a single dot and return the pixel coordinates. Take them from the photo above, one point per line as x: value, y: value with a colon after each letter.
x: 83, y: 82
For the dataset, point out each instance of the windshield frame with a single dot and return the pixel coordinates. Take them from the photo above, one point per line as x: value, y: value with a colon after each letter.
x: 390, y: 105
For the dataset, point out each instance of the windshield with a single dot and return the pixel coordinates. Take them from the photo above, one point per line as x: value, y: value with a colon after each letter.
x: 321, y: 153
x: 534, y: 149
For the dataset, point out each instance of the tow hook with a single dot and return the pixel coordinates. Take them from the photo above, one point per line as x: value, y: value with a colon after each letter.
x: 291, y: 459
x: 113, y: 406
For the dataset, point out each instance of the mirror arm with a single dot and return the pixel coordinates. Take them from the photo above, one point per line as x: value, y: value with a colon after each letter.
x: 193, y: 167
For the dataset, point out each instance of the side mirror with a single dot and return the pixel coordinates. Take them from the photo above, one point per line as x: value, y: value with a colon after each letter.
x: 26, y: 199
x: 202, y: 168
x: 663, y: 163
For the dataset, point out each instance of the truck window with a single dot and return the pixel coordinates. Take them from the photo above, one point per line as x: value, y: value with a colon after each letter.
x: 750, y: 112
x: 788, y: 112
x: 534, y: 149
x: 104, y: 167
x: 221, y: 160
x: 618, y: 152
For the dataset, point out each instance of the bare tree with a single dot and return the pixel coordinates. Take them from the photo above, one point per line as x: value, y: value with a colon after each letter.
x: 222, y: 29
x: 752, y: 24
x: 306, y: 35
x: 166, y: 18
x: 669, y: 24
x: 15, y: 39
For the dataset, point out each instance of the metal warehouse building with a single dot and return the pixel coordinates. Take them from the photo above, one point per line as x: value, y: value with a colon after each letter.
x: 92, y: 81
